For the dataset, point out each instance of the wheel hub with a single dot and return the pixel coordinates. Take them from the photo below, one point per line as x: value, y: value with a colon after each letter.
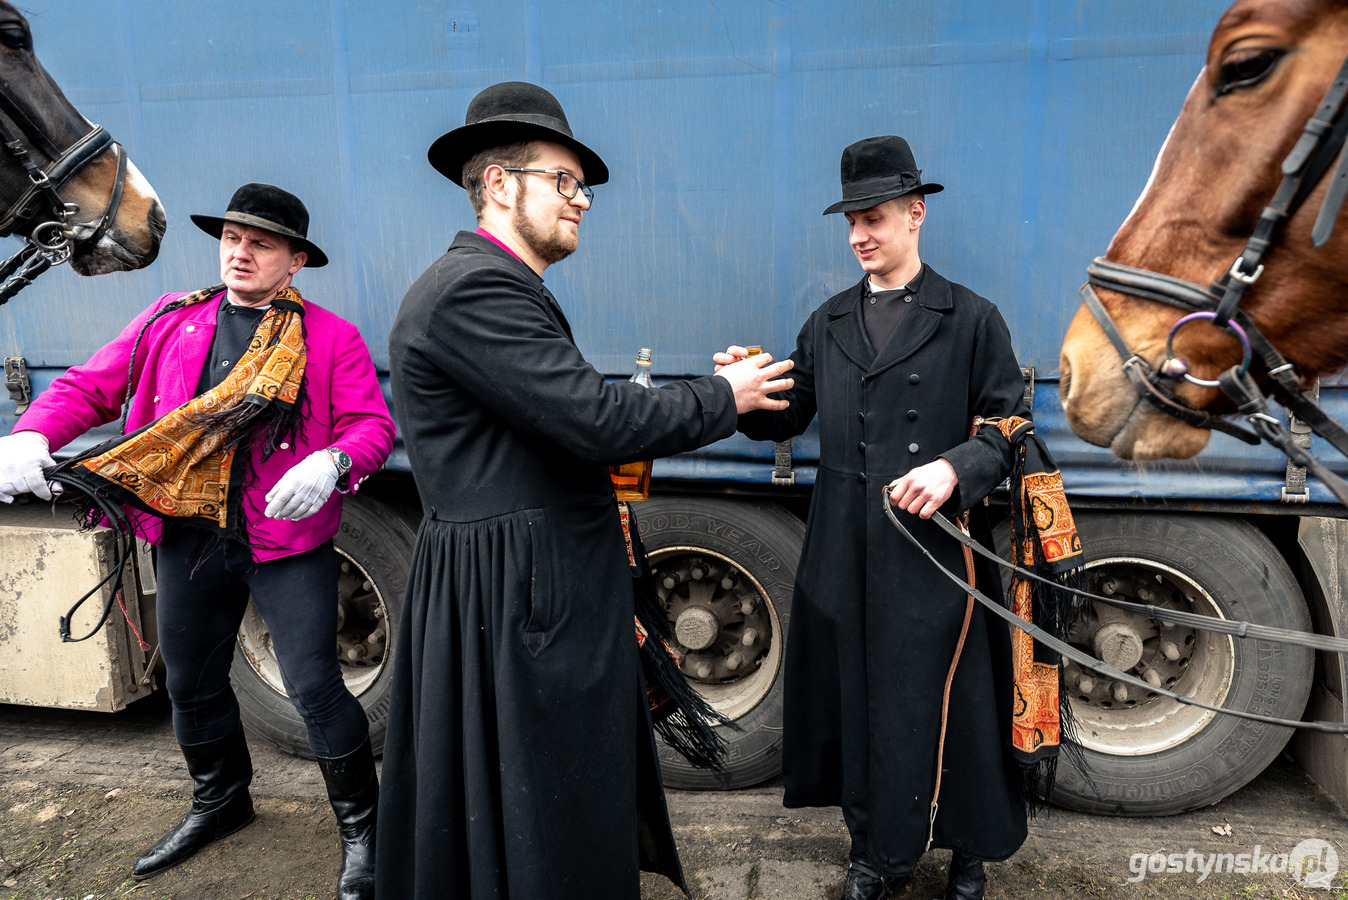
x: 697, y: 628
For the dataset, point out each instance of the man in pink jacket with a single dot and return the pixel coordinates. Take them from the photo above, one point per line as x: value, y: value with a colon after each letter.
x: 276, y: 503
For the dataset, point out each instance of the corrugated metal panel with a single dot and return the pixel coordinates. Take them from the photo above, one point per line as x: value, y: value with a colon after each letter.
x: 722, y: 125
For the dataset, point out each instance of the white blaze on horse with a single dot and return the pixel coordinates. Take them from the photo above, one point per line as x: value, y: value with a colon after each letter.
x: 63, y: 182
x: 1272, y: 67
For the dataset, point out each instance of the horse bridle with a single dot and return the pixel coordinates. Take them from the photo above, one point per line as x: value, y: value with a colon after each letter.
x: 1322, y: 141
x: 52, y: 240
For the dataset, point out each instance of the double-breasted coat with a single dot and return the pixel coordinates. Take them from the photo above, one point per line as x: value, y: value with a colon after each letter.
x: 874, y: 624
x: 519, y: 761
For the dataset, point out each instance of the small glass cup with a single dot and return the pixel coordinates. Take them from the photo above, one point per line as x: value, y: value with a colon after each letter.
x: 753, y: 349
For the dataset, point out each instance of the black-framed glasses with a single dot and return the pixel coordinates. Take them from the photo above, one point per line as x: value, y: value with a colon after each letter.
x: 567, y: 184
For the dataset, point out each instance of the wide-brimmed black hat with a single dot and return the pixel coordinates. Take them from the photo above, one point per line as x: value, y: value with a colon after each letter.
x: 879, y: 169
x: 507, y: 113
x: 268, y: 207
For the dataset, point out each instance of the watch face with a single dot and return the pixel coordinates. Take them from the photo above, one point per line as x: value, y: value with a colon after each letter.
x: 343, y: 460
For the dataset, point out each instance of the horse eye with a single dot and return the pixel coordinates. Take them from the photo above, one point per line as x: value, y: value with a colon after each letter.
x: 14, y: 36
x: 1246, y: 70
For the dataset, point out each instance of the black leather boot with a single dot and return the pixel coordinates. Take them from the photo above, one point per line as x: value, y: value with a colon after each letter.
x: 967, y: 879
x: 221, y: 772
x: 865, y: 883
x: 353, y: 789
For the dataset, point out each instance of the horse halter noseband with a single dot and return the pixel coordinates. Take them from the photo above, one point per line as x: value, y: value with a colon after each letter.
x: 52, y: 241
x: 1322, y: 141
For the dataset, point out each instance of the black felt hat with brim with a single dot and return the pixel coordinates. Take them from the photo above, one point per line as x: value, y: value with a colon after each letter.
x: 268, y: 207
x: 508, y: 113
x: 879, y: 169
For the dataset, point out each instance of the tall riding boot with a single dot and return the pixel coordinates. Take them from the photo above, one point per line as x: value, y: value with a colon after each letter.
x: 221, y: 771
x: 353, y: 789
x: 967, y: 879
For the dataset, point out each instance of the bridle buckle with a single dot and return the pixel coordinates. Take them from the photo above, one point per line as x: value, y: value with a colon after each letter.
x: 1238, y: 273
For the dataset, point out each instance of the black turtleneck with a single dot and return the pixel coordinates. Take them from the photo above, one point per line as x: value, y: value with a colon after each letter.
x: 882, y: 311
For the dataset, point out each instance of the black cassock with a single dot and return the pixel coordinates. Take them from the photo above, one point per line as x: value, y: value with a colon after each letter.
x: 873, y: 624
x: 519, y: 761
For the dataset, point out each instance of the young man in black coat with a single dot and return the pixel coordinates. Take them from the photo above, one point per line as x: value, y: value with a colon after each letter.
x: 897, y: 367
x: 519, y: 761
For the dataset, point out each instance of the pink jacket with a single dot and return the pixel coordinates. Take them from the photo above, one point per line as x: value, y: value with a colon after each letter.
x: 344, y: 408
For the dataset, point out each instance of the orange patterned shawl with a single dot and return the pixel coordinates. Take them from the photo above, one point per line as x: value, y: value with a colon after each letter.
x: 181, y: 464
x: 1045, y: 539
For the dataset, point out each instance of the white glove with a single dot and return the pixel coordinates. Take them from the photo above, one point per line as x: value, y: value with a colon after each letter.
x: 22, y: 457
x: 303, y: 489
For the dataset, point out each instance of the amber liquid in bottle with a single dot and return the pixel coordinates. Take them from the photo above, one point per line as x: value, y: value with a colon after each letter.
x: 632, y: 481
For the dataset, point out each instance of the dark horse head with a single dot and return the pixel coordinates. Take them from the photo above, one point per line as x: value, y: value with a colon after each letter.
x: 36, y: 113
x: 1269, y: 65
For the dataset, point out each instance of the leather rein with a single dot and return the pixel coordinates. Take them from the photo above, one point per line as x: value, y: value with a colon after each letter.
x: 52, y: 241
x: 1247, y: 630
x: 1322, y: 144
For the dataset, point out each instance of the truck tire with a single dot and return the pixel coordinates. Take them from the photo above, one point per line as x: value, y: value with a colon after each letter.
x: 374, y: 551
x: 1149, y: 755
x: 725, y: 570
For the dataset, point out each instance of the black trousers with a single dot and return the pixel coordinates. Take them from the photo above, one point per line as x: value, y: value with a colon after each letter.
x: 201, y: 603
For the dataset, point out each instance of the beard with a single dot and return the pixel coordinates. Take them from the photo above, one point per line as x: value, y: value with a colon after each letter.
x: 553, y: 246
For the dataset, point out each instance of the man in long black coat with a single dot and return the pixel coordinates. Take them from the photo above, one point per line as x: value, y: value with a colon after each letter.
x: 519, y: 761
x: 897, y: 367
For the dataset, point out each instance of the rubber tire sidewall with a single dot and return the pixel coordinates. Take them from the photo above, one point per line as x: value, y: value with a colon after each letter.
x: 1248, y: 579
x: 378, y: 536
x: 765, y: 541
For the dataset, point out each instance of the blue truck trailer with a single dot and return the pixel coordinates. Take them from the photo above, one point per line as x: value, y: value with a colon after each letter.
x: 723, y: 124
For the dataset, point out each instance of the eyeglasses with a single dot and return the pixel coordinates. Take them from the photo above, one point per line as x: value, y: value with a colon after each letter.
x: 567, y: 184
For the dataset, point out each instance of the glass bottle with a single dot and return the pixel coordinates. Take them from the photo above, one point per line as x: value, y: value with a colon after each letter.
x: 632, y: 481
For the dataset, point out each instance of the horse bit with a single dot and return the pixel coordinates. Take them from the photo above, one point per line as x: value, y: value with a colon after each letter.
x: 51, y: 242
x: 1322, y: 139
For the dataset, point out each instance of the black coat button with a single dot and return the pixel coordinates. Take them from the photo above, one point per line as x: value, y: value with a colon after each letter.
x: 913, y: 379
x: 861, y: 447
x: 913, y: 448
x: 861, y: 417
x: 861, y: 476
x: 912, y: 415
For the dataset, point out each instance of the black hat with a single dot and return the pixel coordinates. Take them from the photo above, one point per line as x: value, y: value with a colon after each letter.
x: 507, y: 113
x: 879, y: 169
x: 267, y: 207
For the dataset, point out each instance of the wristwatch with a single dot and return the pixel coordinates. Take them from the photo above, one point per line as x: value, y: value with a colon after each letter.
x: 341, y: 459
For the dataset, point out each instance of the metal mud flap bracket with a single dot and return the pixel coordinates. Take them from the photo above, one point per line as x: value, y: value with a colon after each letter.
x: 18, y: 384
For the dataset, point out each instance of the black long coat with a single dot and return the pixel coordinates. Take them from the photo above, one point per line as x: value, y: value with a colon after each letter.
x: 874, y: 624
x: 519, y: 761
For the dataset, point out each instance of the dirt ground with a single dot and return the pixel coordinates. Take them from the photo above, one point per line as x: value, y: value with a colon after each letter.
x: 81, y: 794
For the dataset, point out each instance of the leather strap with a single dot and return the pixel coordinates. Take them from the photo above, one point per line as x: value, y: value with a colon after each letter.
x: 1084, y: 659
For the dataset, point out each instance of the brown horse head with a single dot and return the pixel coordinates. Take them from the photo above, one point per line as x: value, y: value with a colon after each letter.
x: 132, y: 239
x: 1269, y: 65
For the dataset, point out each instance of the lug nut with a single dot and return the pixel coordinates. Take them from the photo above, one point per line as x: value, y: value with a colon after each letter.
x: 1152, y: 677
x: 698, y: 573
x: 750, y: 637
x: 1085, y: 684
x: 747, y: 606
x: 704, y: 670
x: 1120, y: 692
x: 1169, y: 650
